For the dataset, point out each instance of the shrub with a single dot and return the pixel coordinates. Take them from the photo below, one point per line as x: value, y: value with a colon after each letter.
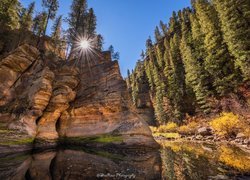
x: 153, y: 129
x: 168, y: 135
x: 227, y: 124
x: 188, y: 129
x: 170, y: 127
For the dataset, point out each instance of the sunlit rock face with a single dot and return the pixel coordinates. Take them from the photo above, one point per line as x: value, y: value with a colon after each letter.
x: 102, y: 106
x: 45, y: 99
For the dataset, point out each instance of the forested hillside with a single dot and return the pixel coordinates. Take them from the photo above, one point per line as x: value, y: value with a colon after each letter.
x: 200, y: 57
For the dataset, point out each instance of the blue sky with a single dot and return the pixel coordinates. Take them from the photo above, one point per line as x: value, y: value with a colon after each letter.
x: 126, y: 24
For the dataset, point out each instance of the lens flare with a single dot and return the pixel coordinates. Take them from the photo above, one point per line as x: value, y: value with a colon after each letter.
x: 84, y: 52
x: 84, y: 44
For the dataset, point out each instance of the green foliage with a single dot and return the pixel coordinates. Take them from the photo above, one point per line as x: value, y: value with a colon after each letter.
x: 218, y: 62
x: 195, y: 73
x: 159, y: 48
x: 196, y: 58
x: 99, y: 42
x: 52, y: 7
x: 91, y: 23
x: 164, y: 28
x: 114, y: 55
x: 26, y: 20
x: 57, y: 29
x: 40, y: 23
x: 236, y: 31
x: 9, y: 14
x: 158, y: 35
x: 128, y: 79
x: 76, y: 20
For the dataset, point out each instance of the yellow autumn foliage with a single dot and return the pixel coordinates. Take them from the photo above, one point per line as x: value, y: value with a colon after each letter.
x: 189, y: 128
x: 169, y: 127
x: 236, y: 159
x: 226, y: 125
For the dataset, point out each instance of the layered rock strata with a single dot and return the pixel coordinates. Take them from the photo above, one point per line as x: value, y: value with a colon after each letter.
x: 45, y: 99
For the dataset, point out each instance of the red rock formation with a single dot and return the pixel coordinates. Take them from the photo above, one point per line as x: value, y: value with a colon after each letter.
x: 48, y: 99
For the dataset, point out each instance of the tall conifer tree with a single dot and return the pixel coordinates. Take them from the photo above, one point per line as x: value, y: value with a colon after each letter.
x: 218, y: 62
x: 57, y: 29
x: 90, y: 23
x: 9, y: 14
x: 236, y: 31
x: 52, y: 7
x: 26, y: 21
x: 39, y: 23
x: 194, y: 70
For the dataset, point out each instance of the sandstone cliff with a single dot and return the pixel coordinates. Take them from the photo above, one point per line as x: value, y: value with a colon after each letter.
x: 46, y: 100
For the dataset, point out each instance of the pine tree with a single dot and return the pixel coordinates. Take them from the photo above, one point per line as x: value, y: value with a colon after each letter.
x: 52, y: 7
x: 99, y: 42
x: 178, y: 78
x: 194, y: 70
x: 218, y: 62
x: 9, y: 14
x: 142, y: 55
x: 128, y: 77
x: 148, y: 65
x: 164, y: 28
x: 76, y: 21
x: 26, y: 21
x: 236, y: 32
x: 170, y: 81
x: 159, y: 49
x: 114, y: 55
x: 149, y: 44
x: 158, y: 35
x: 134, y: 87
x: 39, y: 23
x: 174, y: 25
x: 57, y: 29
x: 91, y: 23
x: 159, y: 95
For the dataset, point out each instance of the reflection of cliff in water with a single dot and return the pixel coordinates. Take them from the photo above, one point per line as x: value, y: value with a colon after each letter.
x: 176, y: 161
x: 75, y: 164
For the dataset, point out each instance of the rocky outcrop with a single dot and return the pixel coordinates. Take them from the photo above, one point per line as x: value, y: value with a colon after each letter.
x: 46, y: 100
x: 63, y: 93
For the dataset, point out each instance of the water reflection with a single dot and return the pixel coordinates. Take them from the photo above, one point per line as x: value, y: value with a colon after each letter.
x: 75, y: 164
x: 204, y: 161
x: 175, y: 161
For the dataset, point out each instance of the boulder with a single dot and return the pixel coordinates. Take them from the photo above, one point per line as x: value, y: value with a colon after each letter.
x: 204, y: 131
x: 199, y: 137
x: 240, y: 136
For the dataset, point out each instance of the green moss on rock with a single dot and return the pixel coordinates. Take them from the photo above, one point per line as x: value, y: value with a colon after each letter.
x: 96, y: 139
x: 24, y: 141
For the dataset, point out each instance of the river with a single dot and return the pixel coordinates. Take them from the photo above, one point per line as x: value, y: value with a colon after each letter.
x: 180, y: 161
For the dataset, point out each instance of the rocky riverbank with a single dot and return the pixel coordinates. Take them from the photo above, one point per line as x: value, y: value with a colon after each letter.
x: 205, y: 134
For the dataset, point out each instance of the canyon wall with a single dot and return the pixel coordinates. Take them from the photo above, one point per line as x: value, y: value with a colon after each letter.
x: 45, y: 100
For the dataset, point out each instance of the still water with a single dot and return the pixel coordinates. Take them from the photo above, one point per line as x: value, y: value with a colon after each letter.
x: 178, y: 161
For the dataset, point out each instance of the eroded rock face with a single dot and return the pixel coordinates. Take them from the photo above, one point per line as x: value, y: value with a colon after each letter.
x: 102, y: 106
x: 46, y: 99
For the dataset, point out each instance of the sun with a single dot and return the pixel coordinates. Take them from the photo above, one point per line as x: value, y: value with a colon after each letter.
x: 84, y: 44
